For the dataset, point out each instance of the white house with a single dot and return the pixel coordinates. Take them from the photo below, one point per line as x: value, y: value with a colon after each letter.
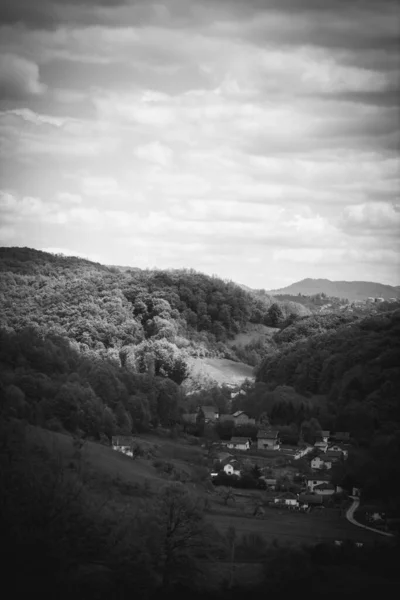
x: 321, y: 445
x: 312, y: 482
x: 232, y: 469
x: 288, y: 499
x: 122, y: 443
x: 320, y: 463
x: 324, y: 489
x: 239, y: 443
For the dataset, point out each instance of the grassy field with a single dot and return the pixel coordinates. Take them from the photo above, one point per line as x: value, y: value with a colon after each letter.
x: 253, y: 333
x: 222, y: 370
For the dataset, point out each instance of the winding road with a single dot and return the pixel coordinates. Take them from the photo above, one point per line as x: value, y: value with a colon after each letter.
x: 350, y: 517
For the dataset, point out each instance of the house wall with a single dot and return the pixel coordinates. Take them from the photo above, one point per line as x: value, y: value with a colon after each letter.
x: 124, y: 450
x: 266, y: 444
x: 324, y: 492
x: 239, y: 446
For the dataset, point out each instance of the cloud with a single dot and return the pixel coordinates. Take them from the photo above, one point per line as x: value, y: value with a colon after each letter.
x: 19, y: 78
x: 155, y: 152
x: 375, y: 217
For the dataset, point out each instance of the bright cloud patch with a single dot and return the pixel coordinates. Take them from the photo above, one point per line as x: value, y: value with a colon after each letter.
x: 256, y: 140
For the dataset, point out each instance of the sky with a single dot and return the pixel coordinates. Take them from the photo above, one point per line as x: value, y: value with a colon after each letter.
x: 257, y: 140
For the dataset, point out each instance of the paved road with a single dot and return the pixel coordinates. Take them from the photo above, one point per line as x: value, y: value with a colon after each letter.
x: 350, y: 517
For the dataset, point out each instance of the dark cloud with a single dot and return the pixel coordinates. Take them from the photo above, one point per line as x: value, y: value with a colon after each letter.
x: 48, y: 14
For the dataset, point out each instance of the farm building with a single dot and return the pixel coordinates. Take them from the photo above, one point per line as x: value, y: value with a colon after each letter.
x: 239, y: 443
x: 321, y: 463
x: 123, y: 443
x: 232, y: 468
x: 268, y: 440
x: 310, y: 500
x: 312, y: 482
x: 242, y: 418
x: 324, y: 489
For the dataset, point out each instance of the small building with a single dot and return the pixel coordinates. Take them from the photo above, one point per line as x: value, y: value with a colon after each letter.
x: 339, y: 448
x: 268, y: 440
x: 323, y: 436
x: 271, y: 483
x: 321, y: 463
x: 233, y: 468
x: 223, y: 457
x: 239, y: 443
x: 321, y: 445
x: 123, y: 443
x: 211, y: 413
x: 324, y: 489
x: 288, y: 499
x: 242, y: 418
x: 312, y: 482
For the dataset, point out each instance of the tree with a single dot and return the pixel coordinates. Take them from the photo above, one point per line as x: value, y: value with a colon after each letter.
x: 176, y: 522
x: 275, y: 315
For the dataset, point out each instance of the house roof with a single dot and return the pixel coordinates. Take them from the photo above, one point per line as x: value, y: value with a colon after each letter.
x: 238, y: 413
x: 268, y: 434
x: 212, y: 409
x: 321, y: 478
x: 238, y: 440
x: 319, y: 443
x: 288, y: 496
x: 324, y: 486
x: 325, y: 433
x: 122, y: 440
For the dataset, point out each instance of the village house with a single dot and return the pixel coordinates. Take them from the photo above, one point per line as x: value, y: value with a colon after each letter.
x: 211, y: 413
x: 242, y: 418
x: 271, y: 483
x: 323, y: 436
x: 288, y: 499
x: 321, y: 463
x: 239, y: 443
x: 339, y: 448
x: 123, y: 443
x: 233, y: 468
x: 321, y: 445
x: 324, y: 489
x: 315, y: 480
x: 268, y: 440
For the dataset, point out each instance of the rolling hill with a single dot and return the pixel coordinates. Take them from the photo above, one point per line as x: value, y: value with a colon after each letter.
x: 352, y: 290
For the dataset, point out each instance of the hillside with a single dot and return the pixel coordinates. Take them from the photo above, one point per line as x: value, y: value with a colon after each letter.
x: 352, y: 290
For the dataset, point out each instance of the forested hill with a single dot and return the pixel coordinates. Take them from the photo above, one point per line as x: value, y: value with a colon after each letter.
x: 354, y: 362
x: 107, y: 307
x: 352, y: 290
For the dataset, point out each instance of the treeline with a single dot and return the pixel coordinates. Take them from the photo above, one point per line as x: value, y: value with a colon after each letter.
x: 49, y: 381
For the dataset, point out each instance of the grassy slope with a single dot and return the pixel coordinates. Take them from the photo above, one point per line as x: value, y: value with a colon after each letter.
x: 222, y: 370
x: 253, y: 333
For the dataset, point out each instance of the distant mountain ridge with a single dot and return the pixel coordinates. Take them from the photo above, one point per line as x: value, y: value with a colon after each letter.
x: 352, y: 290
